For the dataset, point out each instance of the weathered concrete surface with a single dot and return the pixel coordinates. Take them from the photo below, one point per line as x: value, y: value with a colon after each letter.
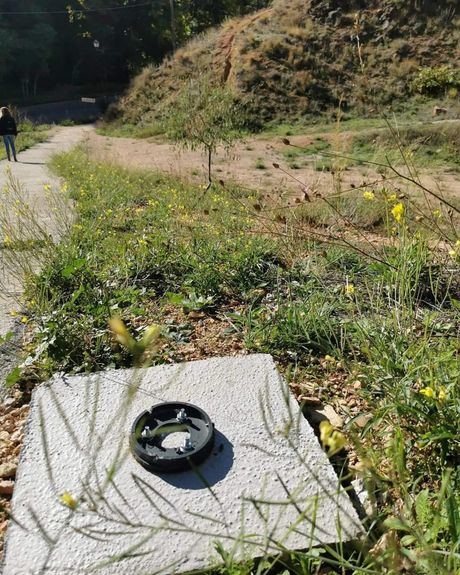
x: 264, y: 451
x: 32, y: 174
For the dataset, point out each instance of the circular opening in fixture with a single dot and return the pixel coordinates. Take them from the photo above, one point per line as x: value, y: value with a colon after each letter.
x: 175, y: 439
x: 172, y: 437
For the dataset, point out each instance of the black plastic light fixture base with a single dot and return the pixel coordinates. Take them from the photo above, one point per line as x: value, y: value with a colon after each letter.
x: 151, y: 428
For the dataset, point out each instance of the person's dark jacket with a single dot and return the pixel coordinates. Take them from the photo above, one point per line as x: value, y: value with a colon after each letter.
x: 8, y: 126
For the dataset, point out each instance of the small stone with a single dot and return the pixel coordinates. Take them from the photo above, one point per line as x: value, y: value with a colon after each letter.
x: 308, y: 400
x: 333, y: 416
x: 357, y: 384
x: 362, y: 420
x: 4, y: 437
x: 9, y: 401
x: 6, y: 488
x: 17, y: 436
x: 9, y: 425
x: 363, y: 496
x: 196, y: 315
x: 7, y: 470
x: 323, y: 412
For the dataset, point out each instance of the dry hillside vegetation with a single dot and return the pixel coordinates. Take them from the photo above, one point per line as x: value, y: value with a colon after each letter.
x: 302, y: 57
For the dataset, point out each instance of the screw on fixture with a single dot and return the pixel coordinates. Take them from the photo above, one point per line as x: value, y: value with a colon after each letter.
x: 182, y: 416
x: 187, y: 445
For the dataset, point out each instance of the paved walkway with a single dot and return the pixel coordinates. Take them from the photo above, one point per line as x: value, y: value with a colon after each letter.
x: 32, y: 173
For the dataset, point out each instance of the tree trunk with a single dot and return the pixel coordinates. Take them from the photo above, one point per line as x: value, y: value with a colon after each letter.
x: 173, y: 25
x: 209, y: 169
x: 36, y: 77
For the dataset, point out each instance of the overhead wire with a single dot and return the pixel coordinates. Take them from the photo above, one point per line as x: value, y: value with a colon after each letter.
x: 79, y: 11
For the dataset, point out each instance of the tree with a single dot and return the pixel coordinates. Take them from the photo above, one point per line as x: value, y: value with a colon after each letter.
x: 45, y: 43
x: 205, y: 115
x: 8, y: 42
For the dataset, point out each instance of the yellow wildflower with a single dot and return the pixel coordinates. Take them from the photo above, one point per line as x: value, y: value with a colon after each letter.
x: 325, y: 429
x: 68, y: 500
x: 428, y: 392
x: 368, y: 195
x: 442, y: 394
x: 349, y: 289
x: 392, y: 198
x: 398, y: 212
x: 152, y: 333
x: 336, y: 442
x: 331, y: 438
x: 437, y: 213
x: 121, y: 333
x: 452, y: 253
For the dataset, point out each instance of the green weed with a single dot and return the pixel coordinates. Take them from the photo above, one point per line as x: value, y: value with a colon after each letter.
x: 137, y: 237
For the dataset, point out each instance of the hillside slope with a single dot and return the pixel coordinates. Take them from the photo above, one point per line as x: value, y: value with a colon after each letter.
x: 304, y: 57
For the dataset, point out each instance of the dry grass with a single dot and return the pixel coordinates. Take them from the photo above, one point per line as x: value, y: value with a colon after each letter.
x: 298, y: 59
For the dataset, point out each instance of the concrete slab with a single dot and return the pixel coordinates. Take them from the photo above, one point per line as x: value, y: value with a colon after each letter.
x: 269, y: 484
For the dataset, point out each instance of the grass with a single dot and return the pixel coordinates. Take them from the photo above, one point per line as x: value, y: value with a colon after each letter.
x: 156, y: 237
x: 380, y: 327
x: 425, y: 146
x: 260, y: 164
x: 128, y: 130
x: 429, y: 145
x: 29, y: 135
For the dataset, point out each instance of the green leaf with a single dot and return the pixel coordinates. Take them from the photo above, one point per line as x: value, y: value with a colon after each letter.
x: 397, y: 524
x: 73, y: 267
x: 423, y: 508
x: 175, y: 298
x: 13, y: 377
x: 6, y: 338
x: 453, y: 514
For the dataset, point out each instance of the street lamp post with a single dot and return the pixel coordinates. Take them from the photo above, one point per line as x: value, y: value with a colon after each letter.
x: 98, y: 47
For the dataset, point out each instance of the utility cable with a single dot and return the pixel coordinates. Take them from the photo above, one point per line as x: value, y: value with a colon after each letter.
x: 81, y: 11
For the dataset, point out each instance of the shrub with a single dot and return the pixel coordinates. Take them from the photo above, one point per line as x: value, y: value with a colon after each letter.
x: 436, y: 80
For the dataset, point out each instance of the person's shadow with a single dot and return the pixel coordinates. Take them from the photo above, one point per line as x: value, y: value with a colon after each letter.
x: 211, y: 471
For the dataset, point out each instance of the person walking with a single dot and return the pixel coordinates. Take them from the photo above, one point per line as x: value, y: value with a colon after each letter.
x: 9, y: 131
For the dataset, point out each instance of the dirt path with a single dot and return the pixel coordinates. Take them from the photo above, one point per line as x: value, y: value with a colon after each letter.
x: 250, y: 164
x: 224, y: 54
x: 30, y: 176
